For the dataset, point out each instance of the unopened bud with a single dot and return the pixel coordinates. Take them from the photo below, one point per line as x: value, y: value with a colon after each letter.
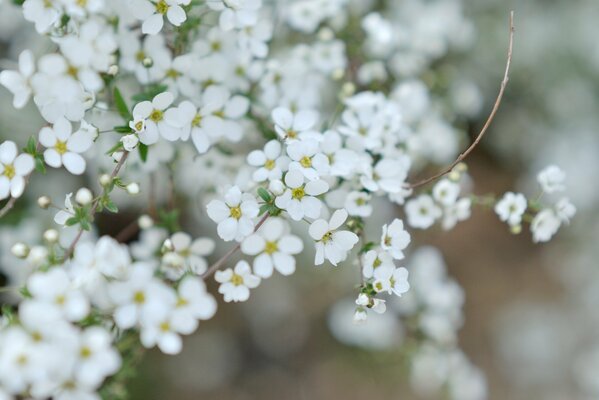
x: 338, y: 74
x: 516, y: 229
x: 360, y: 316
x: 348, y: 89
x: 105, y: 180
x: 147, y: 62
x: 326, y: 34
x: 20, y: 250
x: 51, y: 236
x: 44, y: 202
x: 145, y: 222
x: 454, y: 176
x: 133, y: 188
x: 84, y: 196
x: 167, y: 246
x: 276, y: 187
x: 113, y: 70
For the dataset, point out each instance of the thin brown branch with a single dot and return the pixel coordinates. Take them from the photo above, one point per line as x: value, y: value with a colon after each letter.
x: 95, y: 205
x: 487, y: 124
x: 221, y: 261
x: 128, y: 232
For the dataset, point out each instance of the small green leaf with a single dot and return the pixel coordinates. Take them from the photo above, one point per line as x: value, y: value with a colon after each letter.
x: 40, y: 166
x: 110, y: 206
x: 121, y: 105
x: 367, y: 247
x: 31, y: 146
x: 264, y: 208
x: 143, y: 152
x: 72, y: 221
x: 263, y: 193
x: 122, y: 129
x: 115, y: 148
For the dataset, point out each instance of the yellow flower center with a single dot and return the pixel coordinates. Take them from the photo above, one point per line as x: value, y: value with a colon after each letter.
x: 291, y: 134
x: 327, y: 237
x: 85, y: 352
x: 37, y: 337
x: 9, y: 171
x: 165, y: 327
x: 215, y: 46
x: 139, y: 125
x: 140, y: 56
x: 60, y: 147
x: 156, y: 115
x: 298, y: 193
x: 47, y: 3
x: 271, y: 247
x: 197, y: 120
x: 219, y: 114
x: 81, y: 3
x: 237, y: 280
x: 161, y: 7
x: 172, y: 73
x: 269, y: 164
x: 378, y: 286
x: 182, y: 302
x: 60, y: 299
x: 387, y: 241
x: 360, y: 201
x: 72, y: 71
x: 306, y: 162
x: 235, y: 212
x: 377, y: 263
x: 139, y: 297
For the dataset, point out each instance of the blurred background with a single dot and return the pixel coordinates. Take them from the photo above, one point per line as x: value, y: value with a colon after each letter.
x: 530, y: 312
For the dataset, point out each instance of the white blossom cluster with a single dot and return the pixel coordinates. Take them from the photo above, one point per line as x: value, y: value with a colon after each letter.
x: 282, y: 140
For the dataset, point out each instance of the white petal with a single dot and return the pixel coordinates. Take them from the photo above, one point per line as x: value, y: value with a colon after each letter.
x: 24, y: 164
x: 80, y: 141
x: 284, y: 263
x: 227, y: 229
x: 52, y: 158
x: 337, y: 219
x: 17, y: 186
x: 237, y: 107
x: 256, y: 158
x: 176, y: 15
x: 294, y: 179
x: 317, y: 187
x: 217, y: 210
x: 4, y: 187
x: 47, y: 137
x: 62, y: 129
x: 345, y: 239
x: 170, y: 343
x: 8, y: 152
x: 318, y: 229
x: 263, y: 266
x: 163, y: 100
x: 253, y: 244
x: 74, y: 163
x: 291, y: 244
x: 282, y: 117
x: 152, y: 25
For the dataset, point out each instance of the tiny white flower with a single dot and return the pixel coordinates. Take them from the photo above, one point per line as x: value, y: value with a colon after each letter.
x: 544, y: 225
x: 446, y: 192
x: 299, y: 199
x: 54, y: 287
x: 511, y: 207
x: 271, y: 164
x: 236, y: 13
x: 187, y: 255
x: 392, y: 281
x: 234, y: 216
x: 460, y: 211
x: 332, y: 244
x: 97, y: 358
x: 159, y: 119
x: 552, y: 179
x: 293, y: 126
x: 14, y: 168
x: 43, y: 13
x: 307, y: 158
x: 236, y: 283
x: 84, y: 196
x: 130, y: 142
x: 18, y: 82
x: 395, y: 239
x: 62, y: 216
x: 63, y: 147
x: 274, y: 248
x: 358, y: 204
x: 152, y: 13
x: 565, y: 210
x: 193, y: 303
x: 375, y: 261
x: 422, y: 212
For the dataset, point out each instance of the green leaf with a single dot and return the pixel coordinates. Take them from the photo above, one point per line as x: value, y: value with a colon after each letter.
x: 264, y: 208
x: 31, y: 146
x: 121, y: 105
x: 110, y: 206
x: 367, y: 247
x: 122, y: 129
x: 143, y: 151
x: 72, y: 221
x: 115, y: 148
x: 263, y: 193
x: 40, y: 166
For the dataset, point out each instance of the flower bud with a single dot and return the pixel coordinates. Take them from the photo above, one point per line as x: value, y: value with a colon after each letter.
x: 167, y: 246
x: 44, y: 202
x: 51, y: 236
x: 363, y: 300
x: 360, y: 316
x: 105, y: 180
x: 516, y: 229
x: 130, y: 142
x: 133, y: 188
x: 113, y: 70
x: 454, y: 176
x: 20, y: 250
x: 338, y: 74
x: 84, y: 196
x: 348, y: 89
x: 326, y: 34
x: 147, y: 62
x: 276, y: 187
x: 37, y: 256
x: 145, y: 222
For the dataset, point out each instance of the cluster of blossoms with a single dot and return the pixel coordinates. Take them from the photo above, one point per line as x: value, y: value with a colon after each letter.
x: 204, y: 110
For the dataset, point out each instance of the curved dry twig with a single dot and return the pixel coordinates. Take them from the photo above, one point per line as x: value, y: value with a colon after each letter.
x: 484, y: 129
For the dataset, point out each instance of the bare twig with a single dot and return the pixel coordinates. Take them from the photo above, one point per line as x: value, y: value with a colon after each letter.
x: 218, y: 264
x: 484, y: 129
x: 128, y: 232
x: 95, y: 205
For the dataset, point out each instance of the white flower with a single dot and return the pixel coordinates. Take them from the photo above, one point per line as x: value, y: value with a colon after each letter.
x: 270, y: 162
x: 544, y: 225
x: 291, y: 126
x: 63, y: 147
x: 18, y: 82
x: 511, y: 207
x: 374, y: 262
x: 389, y: 175
x: 332, y: 244
x: 62, y: 216
x: 152, y: 13
x: 552, y: 179
x: 187, y: 255
x: 460, y: 211
x: 274, y: 247
x: 139, y: 296
x: 130, y: 142
x: 14, y: 168
x: 236, y: 13
x: 446, y: 192
x: 97, y: 358
x: 161, y: 327
x: 299, y: 198
x: 565, y: 210
x: 235, y: 216
x: 44, y: 13
x: 395, y: 239
x: 158, y: 120
x: 307, y: 158
x: 392, y: 281
x: 193, y: 303
x: 236, y: 283
x: 54, y: 287
x: 358, y: 204
x: 422, y: 212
